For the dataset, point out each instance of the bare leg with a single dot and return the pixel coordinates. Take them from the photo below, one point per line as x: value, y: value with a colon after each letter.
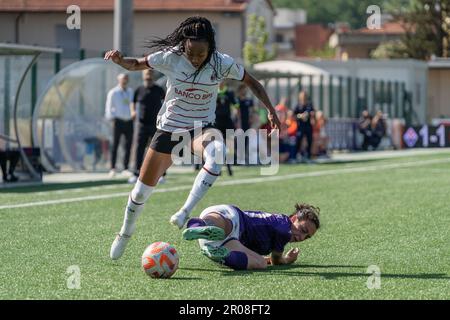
x: 155, y: 164
x: 213, y: 152
x: 233, y: 253
x: 255, y: 261
x: 217, y: 220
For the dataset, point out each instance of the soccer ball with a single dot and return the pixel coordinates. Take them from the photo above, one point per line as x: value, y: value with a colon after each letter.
x: 160, y: 260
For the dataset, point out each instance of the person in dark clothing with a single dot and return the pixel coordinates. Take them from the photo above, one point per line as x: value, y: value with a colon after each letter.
x: 378, y: 126
x: 13, y: 157
x: 372, y: 128
x: 245, y: 107
x: 225, y: 100
x: 147, y: 102
x: 304, y: 113
x: 365, y: 129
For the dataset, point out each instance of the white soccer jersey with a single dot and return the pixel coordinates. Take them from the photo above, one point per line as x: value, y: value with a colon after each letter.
x: 187, y: 102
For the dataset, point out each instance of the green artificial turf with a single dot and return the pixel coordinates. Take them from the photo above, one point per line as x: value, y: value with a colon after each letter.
x: 397, y: 219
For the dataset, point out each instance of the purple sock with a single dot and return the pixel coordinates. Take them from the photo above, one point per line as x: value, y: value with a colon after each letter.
x: 236, y: 260
x: 195, y: 222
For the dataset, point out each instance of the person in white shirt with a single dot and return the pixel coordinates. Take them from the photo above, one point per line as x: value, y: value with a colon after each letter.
x: 117, y: 110
x: 194, y: 70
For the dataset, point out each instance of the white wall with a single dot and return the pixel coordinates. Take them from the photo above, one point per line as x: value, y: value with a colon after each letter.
x: 97, y: 29
x: 413, y: 72
x: 228, y: 37
x: 289, y: 18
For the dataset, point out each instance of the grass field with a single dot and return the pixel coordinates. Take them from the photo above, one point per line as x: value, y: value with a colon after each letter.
x: 392, y: 213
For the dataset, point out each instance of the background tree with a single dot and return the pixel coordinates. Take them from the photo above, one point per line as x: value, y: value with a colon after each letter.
x: 324, y: 53
x: 255, y: 48
x: 426, y: 23
x: 427, y: 29
x: 330, y: 12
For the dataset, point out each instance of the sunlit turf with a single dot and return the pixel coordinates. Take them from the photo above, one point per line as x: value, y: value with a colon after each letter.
x: 396, y: 219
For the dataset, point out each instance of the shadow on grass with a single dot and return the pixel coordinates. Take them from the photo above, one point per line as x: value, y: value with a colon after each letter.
x: 318, y: 266
x: 186, y: 278
x: 286, y: 270
x: 61, y: 186
x: 331, y: 161
x: 283, y: 270
x: 204, y: 270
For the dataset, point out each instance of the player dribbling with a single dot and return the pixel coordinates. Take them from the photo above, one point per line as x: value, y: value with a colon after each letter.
x: 194, y: 70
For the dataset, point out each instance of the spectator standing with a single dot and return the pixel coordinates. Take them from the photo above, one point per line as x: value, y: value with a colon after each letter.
x: 283, y: 138
x: 378, y: 126
x: 225, y: 100
x: 291, y: 123
x: 10, y: 157
x: 147, y: 102
x: 320, y: 139
x: 304, y: 112
x: 245, y: 107
x: 365, y: 128
x: 118, y: 111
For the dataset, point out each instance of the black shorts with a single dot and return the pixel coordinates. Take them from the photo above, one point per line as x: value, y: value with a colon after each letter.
x: 162, y: 140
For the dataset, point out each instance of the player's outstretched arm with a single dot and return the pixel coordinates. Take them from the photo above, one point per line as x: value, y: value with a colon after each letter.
x: 278, y: 258
x: 131, y: 64
x: 259, y: 91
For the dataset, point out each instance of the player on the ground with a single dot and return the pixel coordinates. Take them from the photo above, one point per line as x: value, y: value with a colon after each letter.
x: 194, y: 69
x: 240, y: 239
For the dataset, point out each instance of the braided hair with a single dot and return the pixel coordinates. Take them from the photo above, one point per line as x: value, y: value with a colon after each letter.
x: 194, y: 28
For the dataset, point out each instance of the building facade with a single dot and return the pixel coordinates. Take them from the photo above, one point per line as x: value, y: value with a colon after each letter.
x: 361, y: 43
x: 438, y: 93
x: 44, y: 22
x: 285, y: 23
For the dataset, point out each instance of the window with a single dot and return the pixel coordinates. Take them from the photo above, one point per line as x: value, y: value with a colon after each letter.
x: 279, y: 38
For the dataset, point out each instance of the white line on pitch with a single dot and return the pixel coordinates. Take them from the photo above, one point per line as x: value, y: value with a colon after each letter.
x: 102, y: 188
x: 240, y: 181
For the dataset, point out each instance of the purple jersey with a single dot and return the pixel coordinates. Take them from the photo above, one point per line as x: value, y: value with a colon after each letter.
x: 264, y: 232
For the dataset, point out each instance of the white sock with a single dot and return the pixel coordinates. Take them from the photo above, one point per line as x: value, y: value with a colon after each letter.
x: 138, y: 196
x: 202, y: 183
x: 207, y: 175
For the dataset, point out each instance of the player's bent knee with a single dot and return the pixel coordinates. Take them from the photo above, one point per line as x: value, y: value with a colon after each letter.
x: 139, y: 197
x: 219, y: 146
x: 215, y: 220
x: 141, y: 192
x: 215, y: 155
